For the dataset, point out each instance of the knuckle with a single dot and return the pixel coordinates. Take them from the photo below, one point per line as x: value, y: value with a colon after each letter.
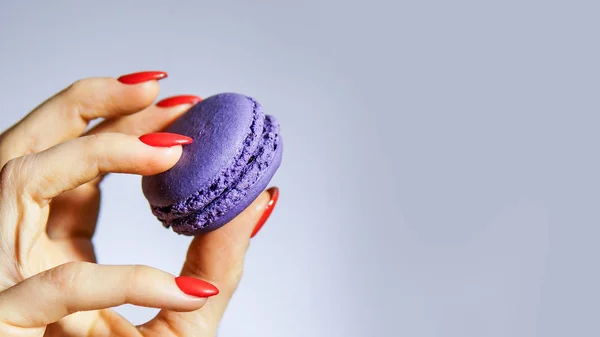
x: 13, y: 173
x: 133, y: 276
x: 20, y: 176
x: 78, y: 86
x: 80, y: 94
x: 83, y: 89
x: 138, y: 272
x: 92, y: 140
x: 92, y: 144
x: 8, y: 173
x: 95, y: 146
x: 64, y: 277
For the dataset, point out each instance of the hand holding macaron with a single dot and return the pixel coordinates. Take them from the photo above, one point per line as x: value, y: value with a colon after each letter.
x: 50, y: 283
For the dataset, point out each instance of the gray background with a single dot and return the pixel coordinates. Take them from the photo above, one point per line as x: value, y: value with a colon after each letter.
x: 440, y: 175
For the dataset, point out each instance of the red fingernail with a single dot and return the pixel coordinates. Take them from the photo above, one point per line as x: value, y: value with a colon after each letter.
x: 165, y: 139
x: 143, y: 76
x: 178, y: 100
x: 274, y: 192
x: 196, y: 287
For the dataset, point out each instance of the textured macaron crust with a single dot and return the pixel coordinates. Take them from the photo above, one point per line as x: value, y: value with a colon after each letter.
x: 235, y: 153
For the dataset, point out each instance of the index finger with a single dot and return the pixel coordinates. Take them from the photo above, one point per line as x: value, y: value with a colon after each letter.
x: 76, y: 162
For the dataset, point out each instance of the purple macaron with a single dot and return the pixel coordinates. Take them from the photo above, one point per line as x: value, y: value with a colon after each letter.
x: 235, y: 153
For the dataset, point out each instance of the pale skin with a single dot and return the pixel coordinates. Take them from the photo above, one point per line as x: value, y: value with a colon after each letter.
x: 50, y: 283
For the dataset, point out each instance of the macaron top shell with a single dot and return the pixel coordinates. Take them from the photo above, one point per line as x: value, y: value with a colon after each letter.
x: 226, y: 130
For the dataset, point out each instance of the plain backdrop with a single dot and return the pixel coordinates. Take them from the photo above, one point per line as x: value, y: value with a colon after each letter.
x: 440, y: 173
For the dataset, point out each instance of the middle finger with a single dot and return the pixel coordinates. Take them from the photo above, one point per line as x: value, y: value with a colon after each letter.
x: 152, y: 119
x: 74, y: 213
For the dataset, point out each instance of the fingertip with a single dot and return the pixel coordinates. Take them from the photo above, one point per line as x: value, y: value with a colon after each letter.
x: 168, y: 146
x: 144, y: 94
x: 258, y: 206
x: 145, y: 83
x: 173, y: 154
x: 162, y: 159
x: 273, y: 195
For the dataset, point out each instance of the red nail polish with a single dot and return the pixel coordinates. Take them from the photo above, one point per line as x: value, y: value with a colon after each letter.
x: 143, y: 76
x: 165, y: 139
x: 178, y: 100
x: 196, y: 287
x: 274, y: 192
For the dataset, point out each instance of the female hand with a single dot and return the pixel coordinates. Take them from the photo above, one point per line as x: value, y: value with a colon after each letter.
x: 50, y: 284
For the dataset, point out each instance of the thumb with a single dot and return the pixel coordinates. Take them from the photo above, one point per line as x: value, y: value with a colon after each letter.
x: 80, y: 286
x: 218, y: 257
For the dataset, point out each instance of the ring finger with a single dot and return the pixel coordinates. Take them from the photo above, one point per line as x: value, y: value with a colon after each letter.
x: 67, y: 114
